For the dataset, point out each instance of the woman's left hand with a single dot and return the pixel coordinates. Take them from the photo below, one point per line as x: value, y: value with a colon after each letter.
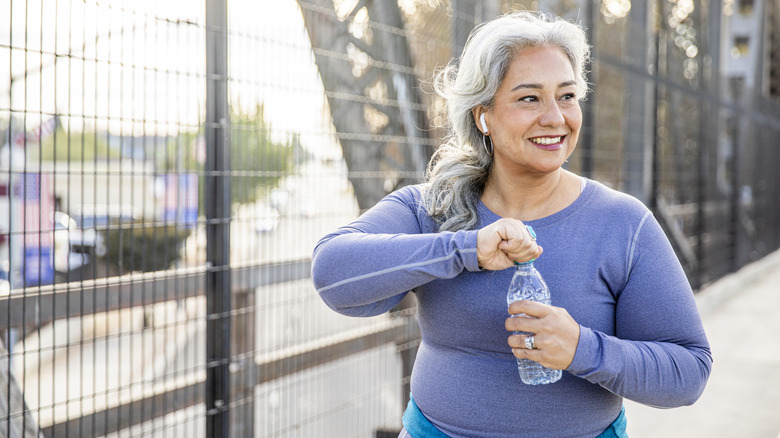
x: 556, y: 334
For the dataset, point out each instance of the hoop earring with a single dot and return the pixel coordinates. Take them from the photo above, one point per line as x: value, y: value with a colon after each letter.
x: 484, y: 143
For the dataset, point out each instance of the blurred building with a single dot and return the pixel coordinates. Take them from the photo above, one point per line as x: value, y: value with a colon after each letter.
x: 751, y: 47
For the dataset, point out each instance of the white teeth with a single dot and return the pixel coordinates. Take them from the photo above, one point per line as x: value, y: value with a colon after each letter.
x: 546, y: 140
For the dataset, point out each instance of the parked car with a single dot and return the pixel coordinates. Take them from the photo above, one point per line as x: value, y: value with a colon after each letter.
x: 74, y: 246
x: 279, y: 198
x: 266, y: 219
x: 306, y: 207
x: 103, y: 217
x: 5, y: 284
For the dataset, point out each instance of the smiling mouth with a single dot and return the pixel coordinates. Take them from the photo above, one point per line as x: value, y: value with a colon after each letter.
x: 547, y: 141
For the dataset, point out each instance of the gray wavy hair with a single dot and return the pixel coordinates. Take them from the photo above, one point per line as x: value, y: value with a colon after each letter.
x: 459, y: 169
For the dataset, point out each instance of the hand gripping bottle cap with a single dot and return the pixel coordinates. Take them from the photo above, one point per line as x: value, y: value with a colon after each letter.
x: 531, y: 233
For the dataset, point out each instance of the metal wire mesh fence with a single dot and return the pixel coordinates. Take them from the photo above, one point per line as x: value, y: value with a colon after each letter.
x: 168, y: 167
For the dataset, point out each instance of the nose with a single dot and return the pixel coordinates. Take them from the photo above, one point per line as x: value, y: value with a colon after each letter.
x: 552, y: 115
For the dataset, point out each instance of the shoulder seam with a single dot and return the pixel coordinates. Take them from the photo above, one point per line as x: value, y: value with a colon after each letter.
x: 632, y: 248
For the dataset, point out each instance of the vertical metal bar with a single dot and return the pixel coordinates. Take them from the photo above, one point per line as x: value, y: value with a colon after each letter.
x: 742, y: 141
x: 8, y: 232
x: 695, y: 277
x: 709, y: 117
x: 217, y: 198
x: 244, y: 376
x: 79, y: 352
x: 655, y: 178
x: 462, y: 23
x: 636, y: 125
x: 589, y: 105
x: 5, y: 427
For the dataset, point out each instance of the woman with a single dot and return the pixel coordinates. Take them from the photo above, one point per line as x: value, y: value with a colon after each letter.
x: 623, y: 322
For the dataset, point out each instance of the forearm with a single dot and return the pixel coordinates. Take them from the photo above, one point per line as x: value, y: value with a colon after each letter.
x: 363, y: 274
x: 658, y: 354
x: 660, y: 374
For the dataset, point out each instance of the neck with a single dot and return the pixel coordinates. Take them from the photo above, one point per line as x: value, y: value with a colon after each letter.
x: 529, y: 197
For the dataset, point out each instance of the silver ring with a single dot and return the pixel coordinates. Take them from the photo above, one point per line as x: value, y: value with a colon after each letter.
x: 529, y: 343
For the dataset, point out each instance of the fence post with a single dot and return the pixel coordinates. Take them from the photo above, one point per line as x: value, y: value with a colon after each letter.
x: 589, y: 105
x: 639, y: 106
x: 217, y: 199
x: 708, y: 137
x: 660, y: 51
x: 244, y: 376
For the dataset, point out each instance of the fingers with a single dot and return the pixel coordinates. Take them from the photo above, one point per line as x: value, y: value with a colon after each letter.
x: 543, y: 352
x: 517, y: 241
x: 538, y: 355
x: 547, y: 350
x: 504, y: 242
x: 555, y: 334
x: 523, y: 342
x: 530, y: 308
x: 522, y: 323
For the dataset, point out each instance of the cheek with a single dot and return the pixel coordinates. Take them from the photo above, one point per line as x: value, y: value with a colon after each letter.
x: 575, y: 123
x: 574, y: 118
x: 570, y: 149
x: 573, y: 139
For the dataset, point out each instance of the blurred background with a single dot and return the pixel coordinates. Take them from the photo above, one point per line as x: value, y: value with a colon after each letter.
x: 168, y: 166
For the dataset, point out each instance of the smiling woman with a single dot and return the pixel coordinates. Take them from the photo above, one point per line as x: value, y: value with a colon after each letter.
x: 533, y: 123
x: 453, y: 241
x: 492, y: 74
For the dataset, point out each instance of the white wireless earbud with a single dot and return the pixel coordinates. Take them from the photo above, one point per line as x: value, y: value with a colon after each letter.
x: 484, y: 125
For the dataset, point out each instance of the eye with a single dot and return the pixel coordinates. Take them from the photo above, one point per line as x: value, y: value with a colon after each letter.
x: 528, y: 99
x: 569, y: 96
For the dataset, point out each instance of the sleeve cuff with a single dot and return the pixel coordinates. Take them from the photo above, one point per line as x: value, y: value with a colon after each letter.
x: 587, y: 353
x: 469, y: 253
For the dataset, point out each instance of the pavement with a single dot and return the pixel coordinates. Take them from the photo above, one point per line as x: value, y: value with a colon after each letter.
x: 741, y: 315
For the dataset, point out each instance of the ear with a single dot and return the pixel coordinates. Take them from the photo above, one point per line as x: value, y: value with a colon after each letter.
x: 479, y: 113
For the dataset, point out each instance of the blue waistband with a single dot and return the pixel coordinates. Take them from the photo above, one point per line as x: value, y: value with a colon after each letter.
x: 417, y: 425
x: 420, y: 427
x: 618, y: 427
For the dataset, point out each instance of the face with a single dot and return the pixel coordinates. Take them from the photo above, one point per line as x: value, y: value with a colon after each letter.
x: 535, y: 119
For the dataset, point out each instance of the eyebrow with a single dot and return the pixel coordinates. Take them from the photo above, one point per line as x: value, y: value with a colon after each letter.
x: 539, y: 86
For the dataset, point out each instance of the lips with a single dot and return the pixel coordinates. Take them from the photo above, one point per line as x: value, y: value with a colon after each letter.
x: 548, y: 143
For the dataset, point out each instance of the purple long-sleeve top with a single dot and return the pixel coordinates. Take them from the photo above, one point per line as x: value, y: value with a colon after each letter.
x: 606, y: 261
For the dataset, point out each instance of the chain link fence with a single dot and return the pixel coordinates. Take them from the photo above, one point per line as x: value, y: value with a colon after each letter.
x: 167, y: 168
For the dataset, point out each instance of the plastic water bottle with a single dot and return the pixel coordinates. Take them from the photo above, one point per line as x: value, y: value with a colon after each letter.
x: 528, y: 284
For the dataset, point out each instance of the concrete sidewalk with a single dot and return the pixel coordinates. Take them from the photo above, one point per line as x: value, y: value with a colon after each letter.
x: 741, y: 314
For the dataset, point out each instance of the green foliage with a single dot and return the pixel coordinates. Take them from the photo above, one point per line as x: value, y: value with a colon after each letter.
x: 75, y: 147
x: 257, y: 162
x: 144, y: 248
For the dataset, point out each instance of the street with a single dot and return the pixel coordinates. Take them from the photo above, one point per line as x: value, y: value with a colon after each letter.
x: 75, y: 367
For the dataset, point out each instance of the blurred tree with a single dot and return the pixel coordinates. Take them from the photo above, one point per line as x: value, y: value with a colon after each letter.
x: 74, y: 146
x: 143, y: 248
x: 258, y: 161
